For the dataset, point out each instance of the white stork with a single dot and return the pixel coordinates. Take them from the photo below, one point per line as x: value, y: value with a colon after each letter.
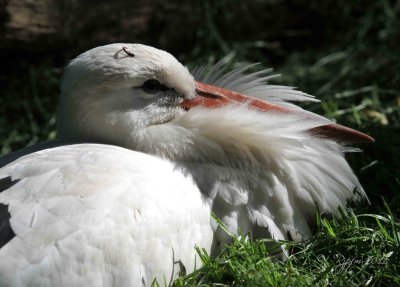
x: 145, y: 153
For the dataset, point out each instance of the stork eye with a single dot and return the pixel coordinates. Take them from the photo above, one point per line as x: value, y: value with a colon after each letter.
x: 153, y: 86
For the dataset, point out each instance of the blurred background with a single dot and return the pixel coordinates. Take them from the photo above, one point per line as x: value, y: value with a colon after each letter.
x: 345, y: 52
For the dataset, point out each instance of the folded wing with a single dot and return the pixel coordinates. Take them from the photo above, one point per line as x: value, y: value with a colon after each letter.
x: 99, y: 215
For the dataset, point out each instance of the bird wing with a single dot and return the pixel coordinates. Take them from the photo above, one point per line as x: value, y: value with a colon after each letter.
x: 99, y: 215
x: 4, y: 160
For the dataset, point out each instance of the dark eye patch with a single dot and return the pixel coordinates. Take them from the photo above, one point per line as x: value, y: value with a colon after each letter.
x: 153, y: 86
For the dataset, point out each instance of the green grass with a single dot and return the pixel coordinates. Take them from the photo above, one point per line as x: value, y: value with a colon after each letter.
x: 352, y: 250
x: 27, y: 107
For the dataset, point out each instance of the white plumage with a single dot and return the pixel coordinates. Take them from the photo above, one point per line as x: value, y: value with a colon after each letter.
x: 97, y: 214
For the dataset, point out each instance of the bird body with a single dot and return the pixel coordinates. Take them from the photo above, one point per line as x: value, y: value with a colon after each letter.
x: 95, y: 215
x: 226, y: 142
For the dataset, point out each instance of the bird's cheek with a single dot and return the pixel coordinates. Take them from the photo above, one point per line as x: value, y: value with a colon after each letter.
x: 142, y: 94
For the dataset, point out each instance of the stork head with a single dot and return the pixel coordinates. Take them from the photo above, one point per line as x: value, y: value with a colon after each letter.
x: 118, y: 93
x: 112, y: 91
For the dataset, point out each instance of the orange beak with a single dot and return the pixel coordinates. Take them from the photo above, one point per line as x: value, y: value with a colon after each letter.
x: 213, y: 97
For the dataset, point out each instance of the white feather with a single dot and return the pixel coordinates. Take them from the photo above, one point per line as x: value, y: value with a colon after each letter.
x: 253, y: 84
x: 95, y: 215
x: 103, y: 215
x: 266, y: 167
